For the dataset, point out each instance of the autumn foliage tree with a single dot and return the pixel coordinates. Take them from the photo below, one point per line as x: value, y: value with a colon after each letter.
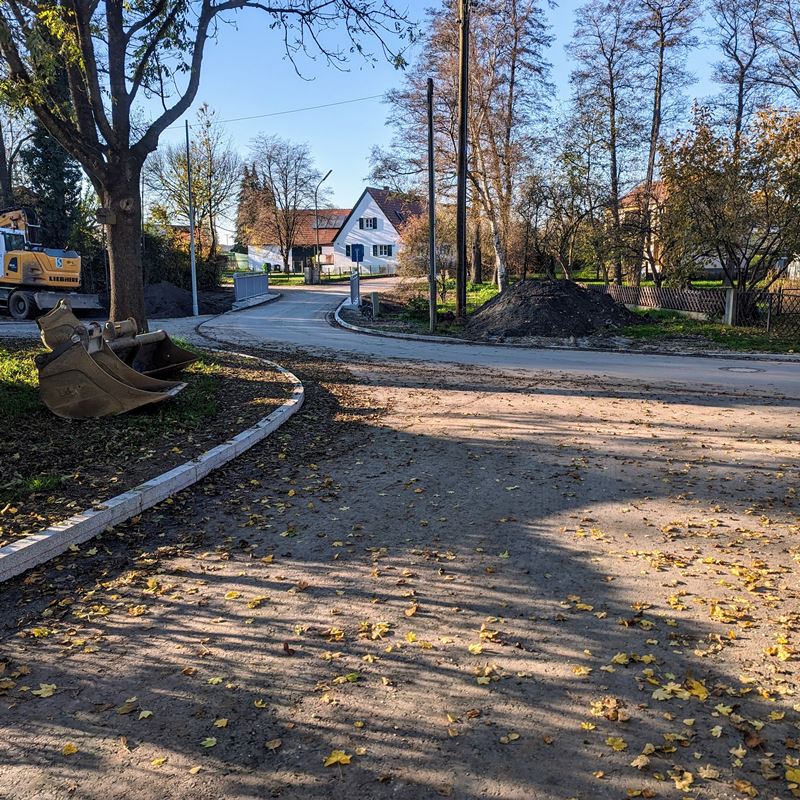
x: 737, y: 201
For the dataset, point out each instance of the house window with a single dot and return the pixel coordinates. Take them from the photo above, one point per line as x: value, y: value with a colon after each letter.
x: 384, y: 250
x: 368, y: 223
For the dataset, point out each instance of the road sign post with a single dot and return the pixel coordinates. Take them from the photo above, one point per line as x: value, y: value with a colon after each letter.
x: 356, y: 256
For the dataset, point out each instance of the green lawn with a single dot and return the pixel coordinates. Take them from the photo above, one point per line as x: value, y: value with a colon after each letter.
x: 658, y: 324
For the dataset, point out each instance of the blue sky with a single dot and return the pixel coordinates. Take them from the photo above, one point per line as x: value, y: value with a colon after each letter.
x: 246, y: 73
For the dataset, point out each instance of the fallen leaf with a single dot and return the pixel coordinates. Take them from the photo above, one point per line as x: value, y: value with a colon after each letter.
x: 337, y: 757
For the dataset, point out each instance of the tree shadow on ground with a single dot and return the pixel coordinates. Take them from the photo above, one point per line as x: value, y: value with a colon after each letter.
x: 260, y: 596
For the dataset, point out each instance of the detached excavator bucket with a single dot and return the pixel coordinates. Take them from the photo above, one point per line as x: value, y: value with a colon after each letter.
x: 84, y: 378
x: 76, y: 385
x: 151, y: 353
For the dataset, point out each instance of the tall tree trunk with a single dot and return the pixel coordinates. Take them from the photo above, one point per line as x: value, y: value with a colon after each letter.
x: 476, y: 266
x: 6, y: 190
x: 646, y: 236
x: 125, y: 244
x: 500, y: 261
x: 612, y: 147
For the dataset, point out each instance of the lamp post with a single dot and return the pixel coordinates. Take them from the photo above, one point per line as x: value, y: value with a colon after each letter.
x: 316, y: 221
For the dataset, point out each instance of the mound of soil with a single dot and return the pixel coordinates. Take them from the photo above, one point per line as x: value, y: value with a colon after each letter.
x: 548, y: 308
x: 165, y: 300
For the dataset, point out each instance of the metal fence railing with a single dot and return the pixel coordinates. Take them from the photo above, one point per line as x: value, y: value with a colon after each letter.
x: 246, y: 286
x: 699, y: 301
x: 776, y: 312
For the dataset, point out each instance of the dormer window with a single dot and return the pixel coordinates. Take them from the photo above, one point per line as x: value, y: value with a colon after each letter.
x: 368, y: 223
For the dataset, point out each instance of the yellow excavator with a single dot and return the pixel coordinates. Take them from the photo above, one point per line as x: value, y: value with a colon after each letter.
x: 33, y: 278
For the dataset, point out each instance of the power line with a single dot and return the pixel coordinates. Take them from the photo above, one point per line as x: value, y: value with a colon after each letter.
x: 289, y: 111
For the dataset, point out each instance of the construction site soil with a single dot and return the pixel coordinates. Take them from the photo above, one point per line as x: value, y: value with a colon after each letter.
x: 166, y: 300
x: 58, y: 467
x: 548, y: 308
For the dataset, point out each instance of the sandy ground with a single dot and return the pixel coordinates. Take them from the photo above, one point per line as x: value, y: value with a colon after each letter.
x: 466, y: 585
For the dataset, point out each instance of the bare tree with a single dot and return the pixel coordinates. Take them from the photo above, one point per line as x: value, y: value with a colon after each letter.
x: 216, y: 169
x: 286, y: 179
x: 15, y: 131
x: 742, y: 34
x: 604, y: 48
x: 509, y: 90
x: 783, y: 70
x: 665, y: 28
x: 118, y: 53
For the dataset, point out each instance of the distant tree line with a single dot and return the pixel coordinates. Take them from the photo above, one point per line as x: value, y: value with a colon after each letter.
x: 627, y: 180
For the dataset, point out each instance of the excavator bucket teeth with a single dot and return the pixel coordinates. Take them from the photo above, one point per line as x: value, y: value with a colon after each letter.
x: 156, y: 354
x: 76, y: 385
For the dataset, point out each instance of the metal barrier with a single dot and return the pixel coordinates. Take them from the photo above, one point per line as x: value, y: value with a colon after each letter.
x: 247, y: 286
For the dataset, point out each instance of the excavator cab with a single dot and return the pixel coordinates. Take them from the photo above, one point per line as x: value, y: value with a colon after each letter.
x: 82, y: 376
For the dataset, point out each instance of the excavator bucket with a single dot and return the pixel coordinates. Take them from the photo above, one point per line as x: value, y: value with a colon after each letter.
x: 82, y: 377
x: 75, y: 385
x: 151, y: 353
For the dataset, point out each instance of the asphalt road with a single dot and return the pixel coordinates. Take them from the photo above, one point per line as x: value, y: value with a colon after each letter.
x: 299, y: 319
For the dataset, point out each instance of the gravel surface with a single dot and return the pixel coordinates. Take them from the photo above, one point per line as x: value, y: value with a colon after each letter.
x: 469, y: 584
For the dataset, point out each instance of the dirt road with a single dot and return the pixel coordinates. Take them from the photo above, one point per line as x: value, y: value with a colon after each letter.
x: 473, y: 585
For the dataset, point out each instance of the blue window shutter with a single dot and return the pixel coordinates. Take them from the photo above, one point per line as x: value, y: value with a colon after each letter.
x: 347, y: 250
x: 390, y: 251
x: 361, y: 223
x: 375, y: 223
x: 374, y: 250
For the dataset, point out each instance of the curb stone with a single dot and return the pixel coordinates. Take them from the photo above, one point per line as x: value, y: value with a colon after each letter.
x: 421, y: 337
x: 38, y: 548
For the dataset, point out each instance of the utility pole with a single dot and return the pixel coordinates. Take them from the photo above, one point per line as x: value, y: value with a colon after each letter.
x: 461, y: 185
x: 316, y: 224
x: 195, y: 309
x: 431, y: 214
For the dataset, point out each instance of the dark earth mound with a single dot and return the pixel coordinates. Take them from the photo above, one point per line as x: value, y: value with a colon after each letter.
x: 165, y: 300
x: 548, y: 308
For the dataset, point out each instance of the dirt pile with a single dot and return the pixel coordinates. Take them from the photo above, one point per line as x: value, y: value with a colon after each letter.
x: 548, y: 308
x: 166, y: 300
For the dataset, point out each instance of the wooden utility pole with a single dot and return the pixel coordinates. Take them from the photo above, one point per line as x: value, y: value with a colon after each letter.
x: 431, y: 214
x: 461, y: 185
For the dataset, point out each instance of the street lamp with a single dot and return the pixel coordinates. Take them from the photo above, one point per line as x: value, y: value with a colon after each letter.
x: 316, y: 218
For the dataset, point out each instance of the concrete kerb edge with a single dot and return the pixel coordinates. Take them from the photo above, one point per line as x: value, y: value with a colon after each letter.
x: 420, y: 337
x: 38, y: 548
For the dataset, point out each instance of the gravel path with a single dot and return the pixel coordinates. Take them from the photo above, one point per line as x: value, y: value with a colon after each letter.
x: 468, y: 585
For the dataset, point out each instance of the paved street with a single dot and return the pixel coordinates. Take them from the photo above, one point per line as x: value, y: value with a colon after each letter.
x: 299, y: 319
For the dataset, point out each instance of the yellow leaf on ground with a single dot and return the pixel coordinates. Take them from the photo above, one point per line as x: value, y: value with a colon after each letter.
x: 273, y: 744
x: 209, y: 741
x: 70, y: 748
x: 617, y: 743
x: 221, y: 723
x: 45, y: 690
x: 157, y: 762
x: 337, y: 757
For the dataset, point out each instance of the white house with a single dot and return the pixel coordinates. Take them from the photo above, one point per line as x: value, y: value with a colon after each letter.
x: 375, y: 222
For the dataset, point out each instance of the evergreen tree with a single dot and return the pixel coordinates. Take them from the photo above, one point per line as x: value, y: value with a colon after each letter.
x: 248, y: 209
x: 54, y: 179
